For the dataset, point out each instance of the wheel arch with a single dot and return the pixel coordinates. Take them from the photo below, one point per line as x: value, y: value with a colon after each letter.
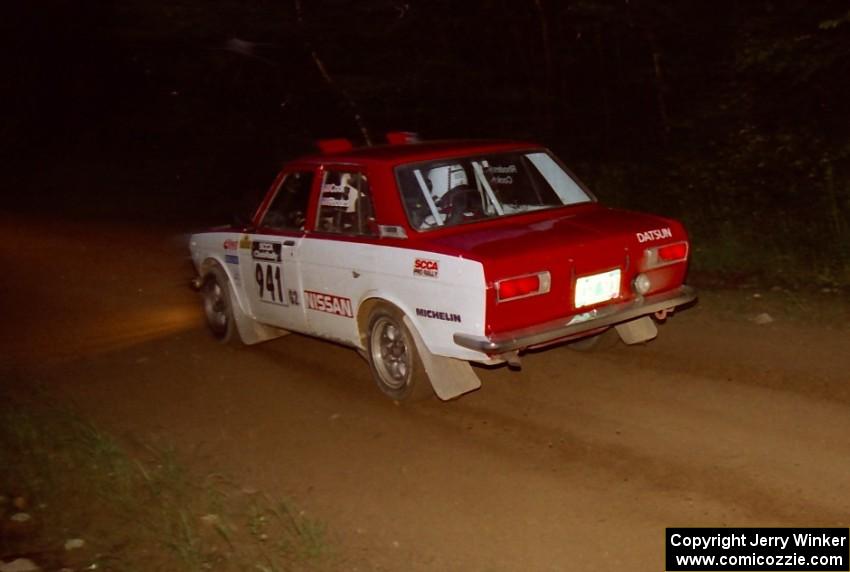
x: 448, y: 377
x: 370, y: 301
x: 213, y: 261
x: 250, y: 331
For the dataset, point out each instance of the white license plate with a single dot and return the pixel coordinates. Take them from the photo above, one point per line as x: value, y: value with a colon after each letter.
x: 597, y: 288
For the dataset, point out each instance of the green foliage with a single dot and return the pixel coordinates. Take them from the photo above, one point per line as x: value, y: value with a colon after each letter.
x: 834, y: 23
x: 138, y: 507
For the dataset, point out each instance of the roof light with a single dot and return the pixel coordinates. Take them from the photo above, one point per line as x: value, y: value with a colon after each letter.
x: 327, y: 146
x: 402, y: 137
x: 523, y: 286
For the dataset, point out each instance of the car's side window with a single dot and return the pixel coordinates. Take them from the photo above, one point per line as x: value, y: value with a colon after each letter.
x: 345, y: 204
x: 288, y: 209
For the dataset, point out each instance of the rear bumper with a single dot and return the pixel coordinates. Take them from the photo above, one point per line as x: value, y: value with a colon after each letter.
x: 567, y: 328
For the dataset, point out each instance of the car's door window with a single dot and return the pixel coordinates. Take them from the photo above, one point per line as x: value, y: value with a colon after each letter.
x: 288, y: 209
x: 345, y: 204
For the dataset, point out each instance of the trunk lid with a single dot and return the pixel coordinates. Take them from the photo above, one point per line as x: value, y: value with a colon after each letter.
x: 582, y: 241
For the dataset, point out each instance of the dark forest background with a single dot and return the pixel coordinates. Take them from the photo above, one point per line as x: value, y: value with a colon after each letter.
x: 733, y: 116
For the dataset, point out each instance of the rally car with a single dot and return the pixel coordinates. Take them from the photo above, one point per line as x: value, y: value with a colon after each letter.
x: 426, y: 256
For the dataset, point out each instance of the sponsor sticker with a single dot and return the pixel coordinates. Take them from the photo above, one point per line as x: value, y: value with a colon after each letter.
x: 329, y: 303
x: 262, y: 250
x: 654, y: 234
x: 436, y: 315
x: 504, y: 169
x: 293, y: 297
x: 501, y: 174
x: 231, y: 244
x: 424, y: 267
x: 245, y: 242
x: 338, y: 195
x: 231, y: 259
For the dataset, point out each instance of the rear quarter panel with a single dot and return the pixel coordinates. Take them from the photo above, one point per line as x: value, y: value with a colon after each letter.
x: 442, y: 295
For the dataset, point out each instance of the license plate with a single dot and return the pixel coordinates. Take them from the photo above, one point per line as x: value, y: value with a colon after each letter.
x: 597, y: 288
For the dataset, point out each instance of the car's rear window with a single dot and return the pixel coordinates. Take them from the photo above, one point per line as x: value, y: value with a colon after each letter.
x: 466, y: 189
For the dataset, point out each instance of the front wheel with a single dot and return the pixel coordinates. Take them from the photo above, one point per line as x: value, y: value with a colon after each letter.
x: 393, y: 358
x: 218, y: 309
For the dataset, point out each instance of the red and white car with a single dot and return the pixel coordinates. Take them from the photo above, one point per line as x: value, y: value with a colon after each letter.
x: 426, y: 256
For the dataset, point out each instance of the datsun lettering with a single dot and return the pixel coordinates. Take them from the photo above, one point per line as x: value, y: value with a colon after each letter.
x: 654, y: 234
x: 426, y: 257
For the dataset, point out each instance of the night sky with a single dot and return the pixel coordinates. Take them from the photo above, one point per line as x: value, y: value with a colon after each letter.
x: 732, y: 116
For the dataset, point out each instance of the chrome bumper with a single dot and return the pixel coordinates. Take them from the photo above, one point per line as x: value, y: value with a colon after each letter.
x: 563, y: 328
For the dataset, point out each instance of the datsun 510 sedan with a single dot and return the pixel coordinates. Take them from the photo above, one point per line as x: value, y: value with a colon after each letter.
x: 426, y: 256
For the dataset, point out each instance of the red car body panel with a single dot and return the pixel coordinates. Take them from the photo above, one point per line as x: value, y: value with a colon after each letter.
x: 577, y: 241
x: 568, y: 242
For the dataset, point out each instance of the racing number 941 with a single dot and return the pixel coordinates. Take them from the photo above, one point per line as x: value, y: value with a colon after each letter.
x: 269, y: 282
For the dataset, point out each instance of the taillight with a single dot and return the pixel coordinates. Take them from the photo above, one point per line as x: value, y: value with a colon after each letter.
x: 672, y: 252
x: 667, y: 254
x: 523, y: 286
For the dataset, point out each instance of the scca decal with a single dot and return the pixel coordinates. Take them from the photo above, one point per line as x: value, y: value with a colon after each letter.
x: 230, y: 244
x: 261, y: 250
x: 329, y: 303
x: 654, y: 234
x: 424, y: 267
x: 425, y: 313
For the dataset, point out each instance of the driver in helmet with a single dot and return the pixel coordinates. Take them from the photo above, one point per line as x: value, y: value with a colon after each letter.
x: 444, y: 179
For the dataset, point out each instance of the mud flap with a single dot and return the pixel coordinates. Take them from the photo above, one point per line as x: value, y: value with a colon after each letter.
x: 449, y: 377
x: 250, y: 331
x: 637, y: 331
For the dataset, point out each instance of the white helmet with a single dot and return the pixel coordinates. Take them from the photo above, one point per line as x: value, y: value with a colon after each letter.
x: 444, y: 179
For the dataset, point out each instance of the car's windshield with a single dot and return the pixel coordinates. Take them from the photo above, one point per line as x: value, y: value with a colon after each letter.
x: 458, y: 190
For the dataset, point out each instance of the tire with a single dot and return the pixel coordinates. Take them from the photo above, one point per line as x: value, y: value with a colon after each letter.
x: 218, y: 309
x: 603, y: 341
x: 393, y: 358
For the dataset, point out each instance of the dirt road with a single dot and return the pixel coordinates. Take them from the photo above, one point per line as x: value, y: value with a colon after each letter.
x: 577, y: 462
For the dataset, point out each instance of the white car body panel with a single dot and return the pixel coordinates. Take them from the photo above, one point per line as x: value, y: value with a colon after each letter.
x: 208, y: 247
x: 326, y: 281
x: 276, y: 298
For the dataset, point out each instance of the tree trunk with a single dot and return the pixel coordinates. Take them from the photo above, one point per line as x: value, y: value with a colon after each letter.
x: 660, y: 85
x: 547, y: 62
x: 607, y: 122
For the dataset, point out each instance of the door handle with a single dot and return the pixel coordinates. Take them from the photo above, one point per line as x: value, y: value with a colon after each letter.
x: 289, y: 243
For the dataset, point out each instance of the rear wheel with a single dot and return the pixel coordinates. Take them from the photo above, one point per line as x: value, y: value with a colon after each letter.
x: 393, y: 358
x: 218, y: 309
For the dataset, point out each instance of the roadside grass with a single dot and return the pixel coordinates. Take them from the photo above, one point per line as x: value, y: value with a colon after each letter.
x: 135, y: 505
